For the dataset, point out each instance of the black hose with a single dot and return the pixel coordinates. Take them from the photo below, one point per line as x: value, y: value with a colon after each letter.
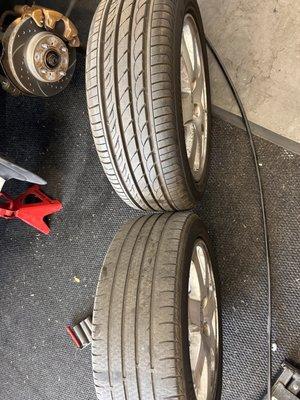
x: 72, y: 4
x: 263, y: 209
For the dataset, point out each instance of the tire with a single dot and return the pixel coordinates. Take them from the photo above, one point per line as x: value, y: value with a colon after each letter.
x: 134, y: 99
x: 140, y: 343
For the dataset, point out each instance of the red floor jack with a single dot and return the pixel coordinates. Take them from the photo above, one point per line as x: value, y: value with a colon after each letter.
x: 32, y: 206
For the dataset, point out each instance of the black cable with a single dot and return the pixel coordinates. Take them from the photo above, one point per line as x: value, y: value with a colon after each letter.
x: 72, y: 4
x: 263, y: 209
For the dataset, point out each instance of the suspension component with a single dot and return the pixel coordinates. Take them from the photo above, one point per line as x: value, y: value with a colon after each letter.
x: 38, y: 52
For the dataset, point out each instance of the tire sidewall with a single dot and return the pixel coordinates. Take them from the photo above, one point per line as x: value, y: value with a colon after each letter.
x: 195, y: 230
x: 184, y: 7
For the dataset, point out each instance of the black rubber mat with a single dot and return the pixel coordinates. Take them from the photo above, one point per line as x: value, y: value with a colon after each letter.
x: 47, y: 281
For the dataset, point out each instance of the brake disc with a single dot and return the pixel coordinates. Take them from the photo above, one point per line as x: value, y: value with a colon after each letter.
x: 39, y: 54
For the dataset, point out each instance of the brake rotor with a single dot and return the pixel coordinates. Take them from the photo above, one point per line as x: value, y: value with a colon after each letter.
x: 37, y: 61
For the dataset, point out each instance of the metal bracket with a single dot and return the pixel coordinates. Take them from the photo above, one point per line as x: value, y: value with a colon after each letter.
x: 287, y: 386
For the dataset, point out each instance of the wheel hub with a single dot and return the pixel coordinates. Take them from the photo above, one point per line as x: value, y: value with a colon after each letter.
x: 47, y: 57
x: 39, y: 55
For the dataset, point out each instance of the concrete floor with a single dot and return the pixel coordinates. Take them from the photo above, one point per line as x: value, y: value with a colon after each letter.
x: 259, y: 42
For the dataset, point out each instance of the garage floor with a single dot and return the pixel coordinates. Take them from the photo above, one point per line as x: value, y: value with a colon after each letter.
x: 38, y: 292
x: 259, y: 42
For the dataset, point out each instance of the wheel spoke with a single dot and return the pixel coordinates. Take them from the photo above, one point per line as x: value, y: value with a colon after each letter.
x: 195, y: 153
x: 211, y: 365
x: 206, y: 347
x: 203, y: 287
x: 187, y: 112
x: 202, y: 358
x: 203, y: 323
x: 212, y: 335
x: 197, y: 62
x: 209, y: 309
x: 187, y: 58
x: 194, y: 97
x: 185, y: 79
x: 195, y: 312
x: 198, y: 91
x: 200, y: 121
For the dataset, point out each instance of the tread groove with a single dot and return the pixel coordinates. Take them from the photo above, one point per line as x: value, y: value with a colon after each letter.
x: 133, y: 101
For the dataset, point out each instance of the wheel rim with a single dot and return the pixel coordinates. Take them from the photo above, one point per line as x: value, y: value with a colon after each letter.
x: 203, y: 324
x: 193, y: 97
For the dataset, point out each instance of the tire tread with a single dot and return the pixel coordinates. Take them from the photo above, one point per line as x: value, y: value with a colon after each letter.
x: 130, y: 97
x: 137, y: 307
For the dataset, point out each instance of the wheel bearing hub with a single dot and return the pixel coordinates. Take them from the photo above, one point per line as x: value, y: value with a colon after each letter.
x: 47, y: 57
x: 37, y: 59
